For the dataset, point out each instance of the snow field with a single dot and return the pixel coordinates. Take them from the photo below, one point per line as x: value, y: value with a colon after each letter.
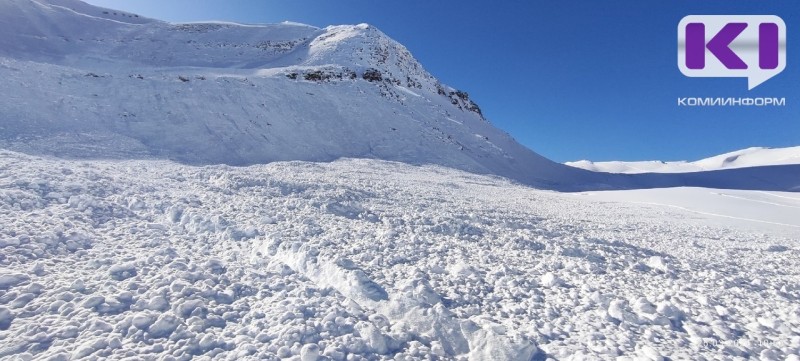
x: 361, y: 259
x: 750, y: 157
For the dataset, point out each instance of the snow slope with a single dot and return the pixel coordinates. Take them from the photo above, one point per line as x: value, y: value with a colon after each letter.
x: 750, y: 157
x: 374, y: 260
x: 79, y: 84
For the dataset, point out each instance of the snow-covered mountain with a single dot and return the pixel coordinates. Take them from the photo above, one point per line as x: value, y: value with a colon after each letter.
x: 750, y: 157
x: 81, y: 81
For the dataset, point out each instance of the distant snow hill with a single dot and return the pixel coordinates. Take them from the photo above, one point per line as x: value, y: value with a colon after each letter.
x: 85, y: 82
x: 750, y: 157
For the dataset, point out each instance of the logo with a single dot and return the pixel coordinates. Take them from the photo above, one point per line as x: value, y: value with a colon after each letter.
x: 738, y: 46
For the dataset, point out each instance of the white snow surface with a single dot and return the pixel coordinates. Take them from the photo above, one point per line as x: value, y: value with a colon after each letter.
x: 750, y: 157
x: 375, y: 260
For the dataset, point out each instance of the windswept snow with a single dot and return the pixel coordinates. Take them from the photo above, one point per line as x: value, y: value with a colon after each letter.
x: 378, y: 260
x: 750, y: 157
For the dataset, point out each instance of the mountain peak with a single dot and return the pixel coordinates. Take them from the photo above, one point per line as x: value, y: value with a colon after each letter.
x: 365, y: 47
x: 74, y: 33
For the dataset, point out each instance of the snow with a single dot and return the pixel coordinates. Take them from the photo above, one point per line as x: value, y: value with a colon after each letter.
x: 122, y: 271
x: 550, y: 280
x: 10, y: 280
x: 425, y: 261
x: 80, y: 86
x: 750, y: 157
x: 309, y: 352
x: 730, y: 208
x: 5, y: 318
x: 228, y: 191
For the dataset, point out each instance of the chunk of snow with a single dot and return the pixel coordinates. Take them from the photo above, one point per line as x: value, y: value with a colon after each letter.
x: 309, y: 352
x: 549, y: 280
x: 6, y: 316
x: 658, y: 263
x: 11, y: 280
x: 122, y: 271
x: 164, y: 326
x: 93, y: 301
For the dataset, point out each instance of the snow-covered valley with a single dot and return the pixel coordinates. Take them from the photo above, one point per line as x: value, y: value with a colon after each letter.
x: 364, y: 259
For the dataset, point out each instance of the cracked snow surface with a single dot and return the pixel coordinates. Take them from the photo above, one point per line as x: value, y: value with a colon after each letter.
x: 372, y: 260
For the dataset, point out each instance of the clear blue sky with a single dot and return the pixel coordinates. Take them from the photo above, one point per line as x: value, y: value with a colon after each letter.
x: 569, y: 79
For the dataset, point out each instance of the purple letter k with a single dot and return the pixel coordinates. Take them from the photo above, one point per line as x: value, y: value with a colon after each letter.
x: 719, y: 46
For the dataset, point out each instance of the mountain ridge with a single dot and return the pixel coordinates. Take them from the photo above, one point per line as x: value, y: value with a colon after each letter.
x: 743, y: 158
